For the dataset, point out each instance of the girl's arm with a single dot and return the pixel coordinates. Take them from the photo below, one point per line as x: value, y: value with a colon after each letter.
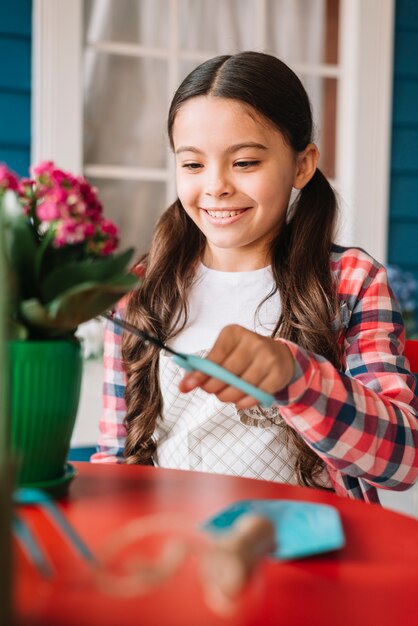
x: 365, y: 425
x: 362, y: 421
x: 112, y: 429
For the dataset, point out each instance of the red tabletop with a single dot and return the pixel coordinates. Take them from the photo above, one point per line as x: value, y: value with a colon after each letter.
x: 372, y: 580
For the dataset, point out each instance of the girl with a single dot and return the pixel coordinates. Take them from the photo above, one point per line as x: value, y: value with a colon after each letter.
x: 238, y: 272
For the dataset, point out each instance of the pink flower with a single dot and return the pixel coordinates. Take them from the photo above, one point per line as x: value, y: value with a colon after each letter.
x: 48, y: 211
x: 64, y: 179
x: 108, y: 228
x: 68, y: 205
x: 105, y: 238
x: 89, y: 230
x: 88, y: 192
x: 26, y: 186
x: 57, y: 194
x: 69, y: 232
x: 94, y: 208
x: 102, y: 247
x: 108, y: 236
x: 44, y: 167
x: 8, y: 180
x: 26, y: 194
x: 94, y: 212
x: 109, y: 247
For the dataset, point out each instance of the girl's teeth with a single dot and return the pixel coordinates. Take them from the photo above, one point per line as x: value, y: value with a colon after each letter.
x: 224, y: 213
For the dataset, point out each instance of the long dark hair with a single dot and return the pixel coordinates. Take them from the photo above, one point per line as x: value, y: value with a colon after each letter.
x: 300, y: 254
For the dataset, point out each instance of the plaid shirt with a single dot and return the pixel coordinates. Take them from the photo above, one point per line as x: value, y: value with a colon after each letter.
x: 363, y: 421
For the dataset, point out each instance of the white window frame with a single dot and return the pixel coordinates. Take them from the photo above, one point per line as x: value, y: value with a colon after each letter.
x: 363, y: 113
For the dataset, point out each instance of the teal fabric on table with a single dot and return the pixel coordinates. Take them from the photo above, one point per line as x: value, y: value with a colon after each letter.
x: 301, y: 528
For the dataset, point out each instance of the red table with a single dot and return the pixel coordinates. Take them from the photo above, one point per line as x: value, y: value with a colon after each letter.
x: 373, y: 580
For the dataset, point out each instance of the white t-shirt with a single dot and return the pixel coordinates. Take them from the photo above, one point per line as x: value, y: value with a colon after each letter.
x: 221, y: 298
x: 199, y: 432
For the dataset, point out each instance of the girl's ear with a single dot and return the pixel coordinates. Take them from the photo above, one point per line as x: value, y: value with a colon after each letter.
x: 306, y: 162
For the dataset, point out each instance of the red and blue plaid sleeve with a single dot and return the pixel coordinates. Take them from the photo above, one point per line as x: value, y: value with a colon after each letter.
x: 112, y: 429
x: 362, y: 421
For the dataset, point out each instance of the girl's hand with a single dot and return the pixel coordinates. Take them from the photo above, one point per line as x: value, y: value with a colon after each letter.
x: 264, y: 362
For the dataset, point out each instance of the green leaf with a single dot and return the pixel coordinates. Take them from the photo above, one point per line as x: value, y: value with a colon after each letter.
x: 20, y: 245
x: 65, y: 277
x: 40, y: 254
x: 77, y: 305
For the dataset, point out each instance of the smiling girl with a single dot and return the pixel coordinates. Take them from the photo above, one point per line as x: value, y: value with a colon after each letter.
x: 238, y: 272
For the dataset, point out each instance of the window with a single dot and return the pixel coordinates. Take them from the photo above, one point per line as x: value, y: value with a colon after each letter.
x: 132, y: 55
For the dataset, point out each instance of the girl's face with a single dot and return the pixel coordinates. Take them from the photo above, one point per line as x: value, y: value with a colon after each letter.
x: 234, y: 175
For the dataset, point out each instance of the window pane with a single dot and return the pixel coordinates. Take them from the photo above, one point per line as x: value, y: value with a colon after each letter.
x: 218, y: 26
x: 134, y: 206
x: 125, y: 110
x: 143, y: 22
x: 331, y: 31
x: 303, y: 31
x: 323, y: 95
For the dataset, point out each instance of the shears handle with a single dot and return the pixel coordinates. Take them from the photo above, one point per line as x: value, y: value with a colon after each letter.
x: 191, y: 362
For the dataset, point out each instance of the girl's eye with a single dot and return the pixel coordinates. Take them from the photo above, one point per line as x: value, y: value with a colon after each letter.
x: 245, y: 164
x: 192, y: 166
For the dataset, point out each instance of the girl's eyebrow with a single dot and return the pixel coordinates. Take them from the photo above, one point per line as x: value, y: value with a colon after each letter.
x: 187, y: 149
x: 247, y: 144
x: 235, y: 148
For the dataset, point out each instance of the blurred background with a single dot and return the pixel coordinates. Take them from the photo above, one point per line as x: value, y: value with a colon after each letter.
x: 87, y: 83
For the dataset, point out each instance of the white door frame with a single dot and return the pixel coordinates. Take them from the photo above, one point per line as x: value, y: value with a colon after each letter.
x: 364, y: 122
x: 57, y: 90
x: 363, y: 119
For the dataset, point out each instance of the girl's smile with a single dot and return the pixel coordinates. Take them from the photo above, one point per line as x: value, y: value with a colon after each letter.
x: 234, y: 175
x: 224, y: 216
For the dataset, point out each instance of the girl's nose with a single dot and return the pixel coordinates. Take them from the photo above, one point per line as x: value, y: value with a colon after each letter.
x: 218, y: 184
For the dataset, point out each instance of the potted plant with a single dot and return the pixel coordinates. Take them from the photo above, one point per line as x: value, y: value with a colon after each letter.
x: 6, y: 476
x: 61, y: 271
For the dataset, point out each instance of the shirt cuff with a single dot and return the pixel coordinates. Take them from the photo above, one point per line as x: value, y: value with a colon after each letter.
x: 301, y: 379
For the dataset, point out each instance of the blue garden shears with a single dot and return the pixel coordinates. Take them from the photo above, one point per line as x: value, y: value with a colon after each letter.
x: 191, y: 362
x: 29, y: 543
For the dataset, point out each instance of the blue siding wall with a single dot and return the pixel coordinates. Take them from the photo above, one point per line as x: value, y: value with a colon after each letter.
x: 15, y: 83
x: 403, y: 215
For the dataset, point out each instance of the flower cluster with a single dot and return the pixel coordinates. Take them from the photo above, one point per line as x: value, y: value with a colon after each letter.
x: 69, y: 207
x: 405, y: 288
x: 59, y: 253
x: 7, y: 179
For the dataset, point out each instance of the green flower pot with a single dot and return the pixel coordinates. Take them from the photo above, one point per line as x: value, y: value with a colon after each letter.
x: 45, y: 382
